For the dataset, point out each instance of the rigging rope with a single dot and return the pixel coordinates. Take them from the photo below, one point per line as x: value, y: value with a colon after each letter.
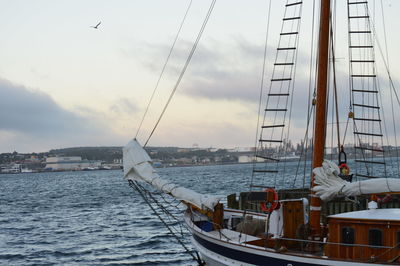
x: 345, y: 130
x: 391, y: 91
x: 184, y: 68
x: 142, y: 191
x: 261, y: 92
x: 304, y: 149
x: 282, y: 73
x: 335, y: 88
x: 163, y: 69
x: 291, y: 99
x: 369, y: 127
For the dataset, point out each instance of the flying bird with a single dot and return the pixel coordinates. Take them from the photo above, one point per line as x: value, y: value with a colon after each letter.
x: 96, y: 27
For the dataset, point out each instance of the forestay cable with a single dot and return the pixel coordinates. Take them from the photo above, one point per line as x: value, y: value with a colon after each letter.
x: 184, y: 68
x: 163, y: 69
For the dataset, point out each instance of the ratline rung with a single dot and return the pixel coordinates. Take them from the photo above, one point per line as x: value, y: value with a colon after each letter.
x: 373, y: 162
x: 289, y: 33
x: 363, y: 76
x: 362, y: 61
x: 275, y: 110
x: 367, y: 119
x: 351, y: 17
x: 293, y: 4
x: 368, y: 134
x: 366, y: 106
x: 267, y: 158
x: 368, y: 149
x: 282, y: 79
x: 283, y: 64
x: 360, y: 31
x: 272, y: 126
x: 368, y: 91
x: 292, y: 18
x: 356, y: 3
x: 278, y: 94
x: 270, y: 140
x: 361, y: 46
x: 285, y: 48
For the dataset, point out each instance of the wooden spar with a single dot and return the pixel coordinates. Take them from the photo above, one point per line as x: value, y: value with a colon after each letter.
x: 320, y: 111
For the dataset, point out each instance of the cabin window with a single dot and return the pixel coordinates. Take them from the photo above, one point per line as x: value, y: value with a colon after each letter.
x: 375, y: 237
x: 348, y: 235
x: 398, y: 239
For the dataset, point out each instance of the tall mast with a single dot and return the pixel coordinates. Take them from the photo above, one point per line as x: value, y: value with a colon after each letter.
x: 320, y: 111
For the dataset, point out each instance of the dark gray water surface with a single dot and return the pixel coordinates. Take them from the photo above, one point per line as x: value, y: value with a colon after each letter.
x: 92, y: 218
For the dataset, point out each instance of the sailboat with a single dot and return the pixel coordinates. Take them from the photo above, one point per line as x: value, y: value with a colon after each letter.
x: 285, y: 229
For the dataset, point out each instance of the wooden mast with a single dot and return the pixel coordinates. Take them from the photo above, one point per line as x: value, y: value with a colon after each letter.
x: 320, y: 111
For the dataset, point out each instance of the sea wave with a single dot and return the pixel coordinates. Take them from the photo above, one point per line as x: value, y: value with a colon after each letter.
x: 92, y: 218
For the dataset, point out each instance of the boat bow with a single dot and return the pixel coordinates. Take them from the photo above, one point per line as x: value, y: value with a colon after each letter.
x: 138, y: 167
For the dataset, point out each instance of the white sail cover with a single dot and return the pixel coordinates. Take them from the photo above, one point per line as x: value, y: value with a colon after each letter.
x: 137, y: 167
x: 330, y: 185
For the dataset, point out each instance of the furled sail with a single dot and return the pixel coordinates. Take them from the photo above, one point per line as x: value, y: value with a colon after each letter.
x: 330, y: 185
x: 138, y: 167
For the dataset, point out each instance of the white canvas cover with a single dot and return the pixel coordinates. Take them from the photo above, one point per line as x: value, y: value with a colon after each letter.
x: 330, y: 185
x: 137, y: 167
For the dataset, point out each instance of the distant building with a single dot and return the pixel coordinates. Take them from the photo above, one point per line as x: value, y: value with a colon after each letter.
x: 205, y: 160
x: 183, y: 150
x: 242, y: 149
x: 10, y: 169
x: 244, y: 159
x: 249, y: 159
x: 184, y: 160
x: 70, y: 163
x: 331, y: 150
x: 118, y: 161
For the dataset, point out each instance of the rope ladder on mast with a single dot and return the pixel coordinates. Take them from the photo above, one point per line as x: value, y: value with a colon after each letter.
x: 366, y: 112
x: 272, y: 143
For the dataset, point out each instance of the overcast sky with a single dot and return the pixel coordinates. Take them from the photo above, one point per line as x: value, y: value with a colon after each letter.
x: 64, y: 84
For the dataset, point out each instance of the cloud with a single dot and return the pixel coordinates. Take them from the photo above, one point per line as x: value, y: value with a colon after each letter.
x: 220, y: 71
x: 124, y: 106
x: 222, y: 135
x: 232, y: 72
x: 33, y: 112
x: 223, y: 72
x: 33, y: 116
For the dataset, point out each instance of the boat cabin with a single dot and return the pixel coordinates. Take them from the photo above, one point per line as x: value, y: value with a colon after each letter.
x: 369, y: 235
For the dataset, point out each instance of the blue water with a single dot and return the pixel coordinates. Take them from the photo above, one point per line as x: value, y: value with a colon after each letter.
x: 92, y: 218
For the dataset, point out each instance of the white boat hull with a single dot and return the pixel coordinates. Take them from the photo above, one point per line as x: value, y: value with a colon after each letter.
x: 215, y: 249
